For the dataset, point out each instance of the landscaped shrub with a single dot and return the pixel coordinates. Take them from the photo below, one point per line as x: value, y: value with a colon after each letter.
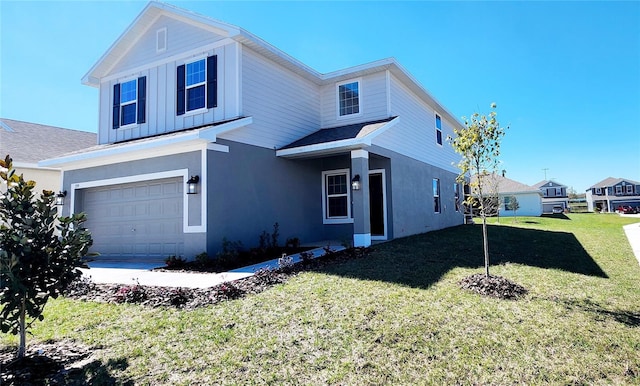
x: 130, y: 294
x: 228, y: 291
x: 174, y: 261
x: 178, y: 297
x: 306, y: 257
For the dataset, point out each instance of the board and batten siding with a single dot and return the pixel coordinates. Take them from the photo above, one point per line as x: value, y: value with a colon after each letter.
x: 373, y: 101
x: 161, y: 115
x: 283, y: 105
x: 415, y: 135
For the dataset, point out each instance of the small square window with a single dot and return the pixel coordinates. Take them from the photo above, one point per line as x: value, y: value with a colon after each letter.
x: 349, y: 98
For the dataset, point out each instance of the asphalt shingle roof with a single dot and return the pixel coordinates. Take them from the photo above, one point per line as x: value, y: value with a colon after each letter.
x: 506, y: 185
x: 339, y: 133
x: 29, y: 142
x: 611, y: 181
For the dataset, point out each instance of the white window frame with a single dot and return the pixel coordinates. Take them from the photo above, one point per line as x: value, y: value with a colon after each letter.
x: 131, y: 102
x: 325, y: 198
x: 629, y: 189
x: 436, y: 196
x: 438, y: 129
x: 618, y: 189
x: 599, y: 191
x: 187, y: 87
x: 456, y: 196
x: 347, y: 116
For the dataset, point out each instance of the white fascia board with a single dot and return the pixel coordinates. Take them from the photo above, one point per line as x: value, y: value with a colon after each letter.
x: 380, y: 130
x: 324, y: 148
x: 28, y: 165
x: 166, y: 145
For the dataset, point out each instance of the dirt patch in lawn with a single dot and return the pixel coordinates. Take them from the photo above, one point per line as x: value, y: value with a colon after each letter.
x: 493, y: 286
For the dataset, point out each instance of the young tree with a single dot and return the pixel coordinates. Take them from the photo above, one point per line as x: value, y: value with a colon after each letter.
x: 514, y: 205
x: 39, y: 256
x: 479, y: 145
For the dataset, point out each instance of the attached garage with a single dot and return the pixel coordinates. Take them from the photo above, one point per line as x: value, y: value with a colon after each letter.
x: 136, y: 222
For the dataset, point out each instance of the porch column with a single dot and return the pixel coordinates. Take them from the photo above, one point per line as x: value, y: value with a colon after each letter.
x: 360, y: 199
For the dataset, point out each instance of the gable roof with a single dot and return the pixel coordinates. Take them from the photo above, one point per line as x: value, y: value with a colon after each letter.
x: 156, y: 9
x: 505, y: 185
x: 337, y: 139
x: 546, y: 183
x: 27, y: 143
x: 611, y: 181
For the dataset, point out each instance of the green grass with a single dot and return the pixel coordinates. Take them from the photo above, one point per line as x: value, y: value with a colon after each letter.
x: 396, y: 317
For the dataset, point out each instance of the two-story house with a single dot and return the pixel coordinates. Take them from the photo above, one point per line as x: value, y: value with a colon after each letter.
x: 208, y: 132
x: 554, y: 194
x: 611, y: 193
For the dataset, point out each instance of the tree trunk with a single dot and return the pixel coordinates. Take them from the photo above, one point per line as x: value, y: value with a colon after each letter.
x: 485, y: 242
x: 23, y: 329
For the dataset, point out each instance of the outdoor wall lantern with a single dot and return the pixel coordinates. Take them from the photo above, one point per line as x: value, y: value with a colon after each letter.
x: 192, y: 185
x: 60, y: 198
x: 355, y: 182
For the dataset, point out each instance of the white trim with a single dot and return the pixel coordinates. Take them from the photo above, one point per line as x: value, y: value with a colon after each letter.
x: 341, y: 220
x: 360, y: 153
x: 337, y: 96
x: 362, y: 239
x: 385, y: 236
x: 387, y: 76
x: 184, y: 173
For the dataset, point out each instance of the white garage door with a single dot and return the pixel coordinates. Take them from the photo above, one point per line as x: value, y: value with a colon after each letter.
x: 139, y: 222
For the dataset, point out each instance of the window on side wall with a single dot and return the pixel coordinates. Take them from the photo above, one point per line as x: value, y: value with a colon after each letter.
x: 456, y: 196
x: 438, y: 129
x: 507, y: 203
x: 436, y: 195
x: 196, y: 85
x: 336, y: 196
x: 129, y: 102
x: 348, y: 98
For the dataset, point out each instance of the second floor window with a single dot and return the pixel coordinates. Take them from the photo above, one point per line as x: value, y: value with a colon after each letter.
x: 618, y: 189
x: 129, y: 102
x: 349, y: 98
x: 197, y: 85
x: 629, y: 189
x: 438, y: 130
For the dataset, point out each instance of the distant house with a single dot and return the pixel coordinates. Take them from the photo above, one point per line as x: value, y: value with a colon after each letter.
x: 208, y: 132
x: 610, y: 193
x: 554, y: 194
x: 529, y: 198
x: 28, y: 143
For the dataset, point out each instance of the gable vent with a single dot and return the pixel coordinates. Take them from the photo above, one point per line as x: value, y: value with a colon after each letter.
x: 161, y: 39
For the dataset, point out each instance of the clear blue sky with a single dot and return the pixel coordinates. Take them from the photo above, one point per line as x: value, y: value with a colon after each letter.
x: 565, y: 75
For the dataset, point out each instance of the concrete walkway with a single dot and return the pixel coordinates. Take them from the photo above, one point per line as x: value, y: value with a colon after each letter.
x: 137, y: 273
x: 633, y: 235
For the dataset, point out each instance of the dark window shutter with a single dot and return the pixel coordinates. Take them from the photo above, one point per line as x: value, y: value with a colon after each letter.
x: 180, y: 87
x: 142, y: 99
x: 212, y: 81
x: 116, y: 105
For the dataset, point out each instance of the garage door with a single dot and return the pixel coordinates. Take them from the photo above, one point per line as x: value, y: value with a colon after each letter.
x: 139, y: 222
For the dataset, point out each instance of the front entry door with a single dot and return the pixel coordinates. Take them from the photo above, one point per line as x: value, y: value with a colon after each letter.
x: 377, y: 207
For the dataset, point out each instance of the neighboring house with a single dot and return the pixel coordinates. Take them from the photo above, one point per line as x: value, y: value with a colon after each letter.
x: 358, y: 154
x: 553, y: 194
x: 529, y: 198
x: 610, y: 193
x: 28, y: 143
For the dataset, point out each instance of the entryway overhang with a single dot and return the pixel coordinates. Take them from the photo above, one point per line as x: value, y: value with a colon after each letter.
x: 149, y: 147
x: 336, y: 140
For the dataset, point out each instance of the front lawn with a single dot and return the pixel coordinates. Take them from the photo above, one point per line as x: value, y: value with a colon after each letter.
x: 396, y: 317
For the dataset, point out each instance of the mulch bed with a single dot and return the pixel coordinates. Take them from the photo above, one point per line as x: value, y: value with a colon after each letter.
x: 493, y: 286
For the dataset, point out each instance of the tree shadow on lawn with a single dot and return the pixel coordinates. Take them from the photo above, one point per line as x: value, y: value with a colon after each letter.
x: 421, y: 260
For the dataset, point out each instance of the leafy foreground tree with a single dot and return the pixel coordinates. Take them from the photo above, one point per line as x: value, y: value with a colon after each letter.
x: 479, y: 145
x: 39, y: 252
x: 514, y: 205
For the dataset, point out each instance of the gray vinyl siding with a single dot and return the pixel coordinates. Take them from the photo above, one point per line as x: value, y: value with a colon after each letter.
x: 181, y: 37
x: 373, y: 101
x: 161, y: 98
x: 283, y: 105
x: 415, y: 135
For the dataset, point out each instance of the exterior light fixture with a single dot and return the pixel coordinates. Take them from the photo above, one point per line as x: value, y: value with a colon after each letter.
x: 192, y: 185
x: 355, y: 182
x: 60, y: 198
